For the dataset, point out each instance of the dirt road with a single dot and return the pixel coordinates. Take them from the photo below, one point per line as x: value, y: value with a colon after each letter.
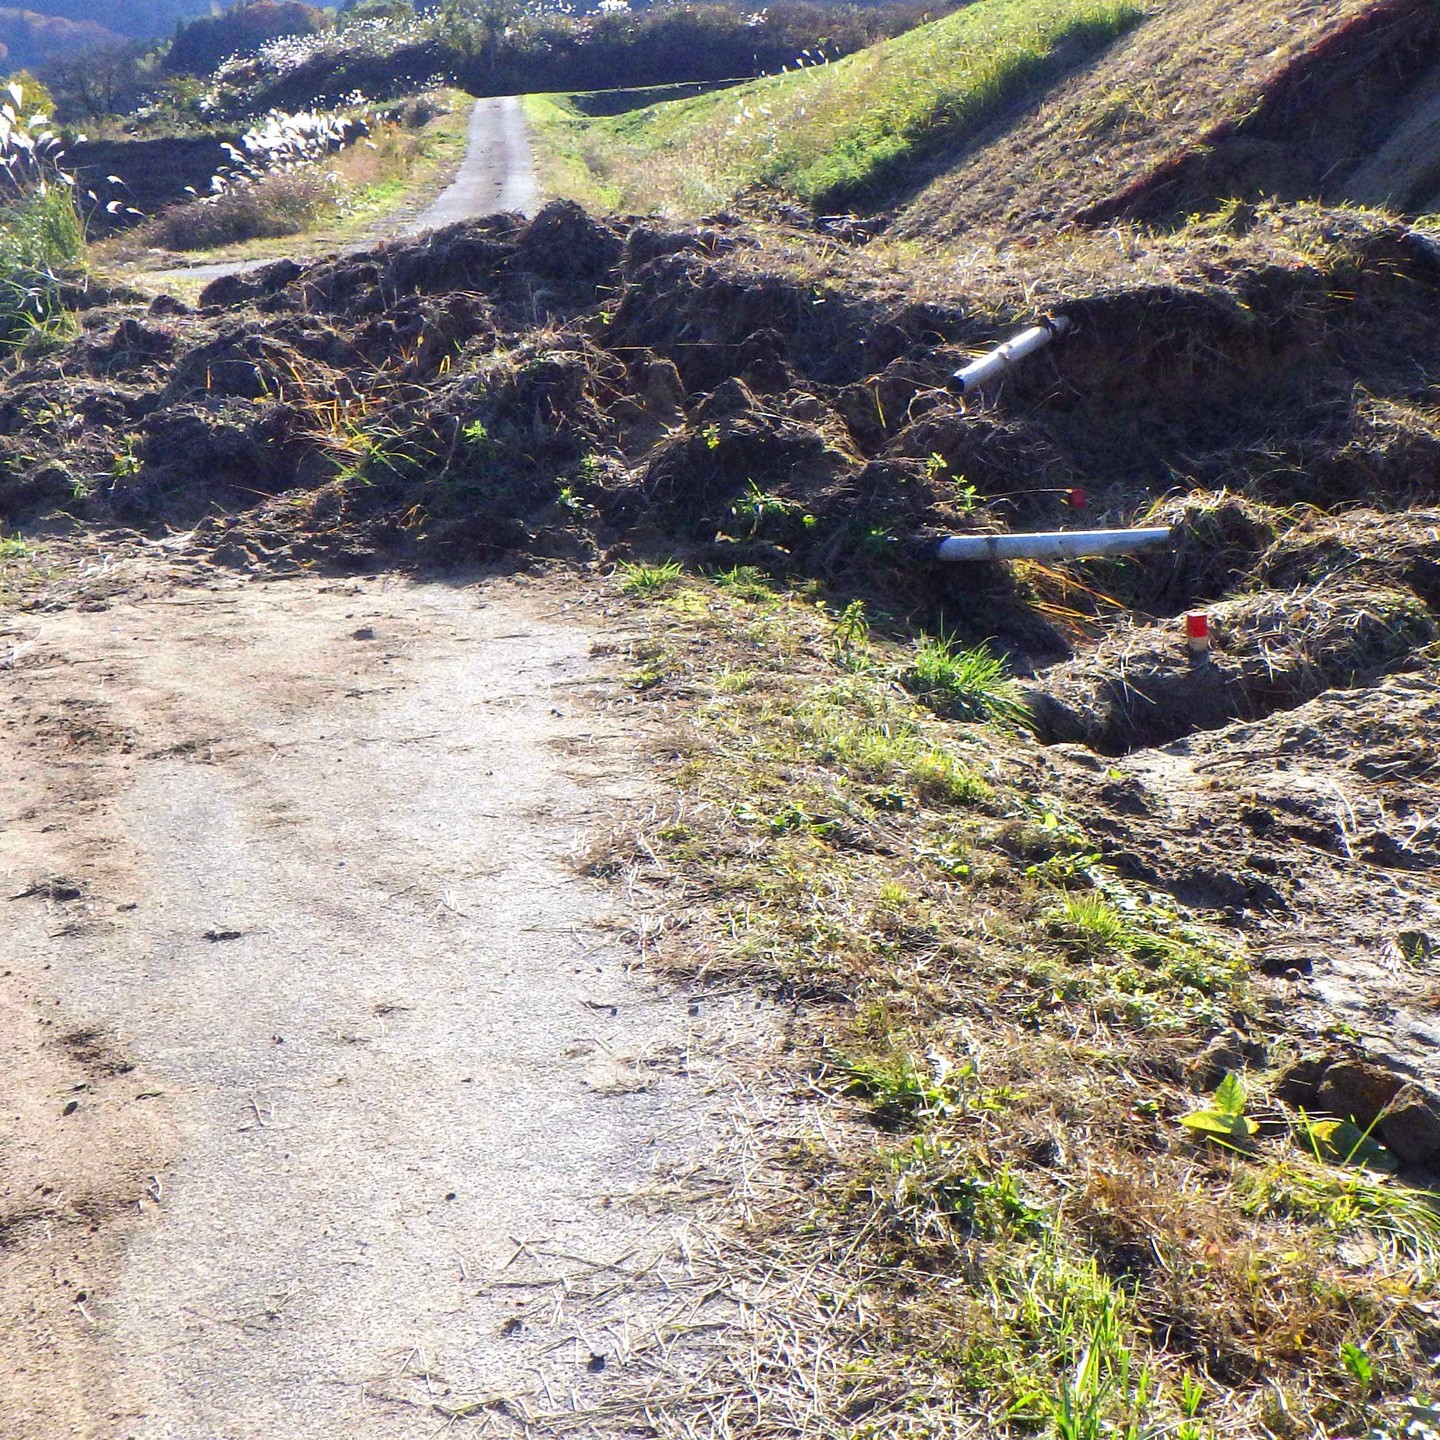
x: 328, y: 1105
x: 496, y: 174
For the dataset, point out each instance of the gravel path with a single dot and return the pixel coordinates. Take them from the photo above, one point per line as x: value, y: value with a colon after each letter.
x: 320, y: 917
x: 496, y: 174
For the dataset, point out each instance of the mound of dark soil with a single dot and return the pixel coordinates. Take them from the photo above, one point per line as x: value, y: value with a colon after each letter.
x: 1272, y: 651
x: 1313, y: 832
x: 568, y: 383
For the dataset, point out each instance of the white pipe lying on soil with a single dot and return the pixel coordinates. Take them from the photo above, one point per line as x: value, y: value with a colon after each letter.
x: 1002, y: 357
x: 1051, y: 544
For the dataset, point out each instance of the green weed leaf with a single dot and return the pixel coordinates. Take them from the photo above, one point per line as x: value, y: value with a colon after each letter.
x: 1359, y: 1366
x: 1230, y: 1095
x: 1343, y: 1143
x: 1220, y: 1125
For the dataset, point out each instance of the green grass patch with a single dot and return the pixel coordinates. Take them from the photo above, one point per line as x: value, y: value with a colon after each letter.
x: 642, y: 579
x: 842, y: 133
x: 570, y: 154
x: 24, y: 567
x: 41, y: 238
x: 1007, y: 1220
x: 965, y: 684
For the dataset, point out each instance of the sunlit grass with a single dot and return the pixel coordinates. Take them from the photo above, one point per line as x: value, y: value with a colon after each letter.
x: 963, y: 684
x: 839, y: 133
x: 1031, y: 1225
x: 641, y: 579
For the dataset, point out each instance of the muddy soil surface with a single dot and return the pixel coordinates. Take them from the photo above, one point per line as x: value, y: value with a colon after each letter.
x: 330, y: 1111
x: 1314, y: 833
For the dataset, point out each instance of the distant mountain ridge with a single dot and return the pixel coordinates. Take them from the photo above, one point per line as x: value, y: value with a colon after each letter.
x: 29, y: 38
x: 119, y: 19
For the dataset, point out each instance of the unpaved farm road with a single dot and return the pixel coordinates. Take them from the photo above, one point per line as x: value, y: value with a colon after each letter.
x: 327, y: 1110
x: 496, y: 174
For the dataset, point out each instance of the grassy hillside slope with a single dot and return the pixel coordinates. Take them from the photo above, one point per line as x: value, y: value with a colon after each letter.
x: 843, y: 133
x: 1013, y: 113
x: 1193, y: 67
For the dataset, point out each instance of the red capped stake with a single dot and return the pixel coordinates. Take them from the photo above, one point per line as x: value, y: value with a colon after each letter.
x: 1197, y: 632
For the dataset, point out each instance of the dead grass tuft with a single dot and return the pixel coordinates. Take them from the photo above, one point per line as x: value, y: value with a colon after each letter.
x: 281, y: 204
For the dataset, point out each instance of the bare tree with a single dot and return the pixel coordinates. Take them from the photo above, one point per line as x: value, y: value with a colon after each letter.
x: 95, y: 84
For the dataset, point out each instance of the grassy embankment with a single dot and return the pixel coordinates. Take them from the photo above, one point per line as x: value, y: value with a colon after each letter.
x: 562, y: 155
x: 1044, y: 1229
x: 830, y: 135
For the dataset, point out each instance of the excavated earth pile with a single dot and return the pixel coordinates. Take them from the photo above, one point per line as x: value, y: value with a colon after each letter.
x: 565, y: 384
x: 584, y: 389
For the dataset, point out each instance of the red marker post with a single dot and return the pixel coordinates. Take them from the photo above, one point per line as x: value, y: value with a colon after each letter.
x: 1197, y: 632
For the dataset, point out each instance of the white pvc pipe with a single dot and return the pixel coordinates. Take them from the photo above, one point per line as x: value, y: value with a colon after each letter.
x: 1051, y: 544
x: 1000, y: 359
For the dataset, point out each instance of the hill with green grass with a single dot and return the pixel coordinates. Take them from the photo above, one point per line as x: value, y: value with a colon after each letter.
x: 844, y: 132
x: 1011, y: 113
x: 1205, y: 101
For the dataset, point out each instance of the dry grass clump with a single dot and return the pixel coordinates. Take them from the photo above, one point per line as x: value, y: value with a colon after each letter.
x: 998, y: 1224
x: 280, y: 204
x: 1363, y: 545
x: 1325, y: 635
x: 1273, y: 650
x: 294, y: 173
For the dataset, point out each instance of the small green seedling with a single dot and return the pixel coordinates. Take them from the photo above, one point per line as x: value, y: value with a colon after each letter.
x: 851, y: 639
x: 1192, y: 1394
x: 1223, y: 1120
x: 1359, y: 1367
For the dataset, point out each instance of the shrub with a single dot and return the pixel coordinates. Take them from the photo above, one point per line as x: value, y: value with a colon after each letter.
x: 498, y: 47
x: 37, y: 97
x: 281, y: 204
x: 200, y: 46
